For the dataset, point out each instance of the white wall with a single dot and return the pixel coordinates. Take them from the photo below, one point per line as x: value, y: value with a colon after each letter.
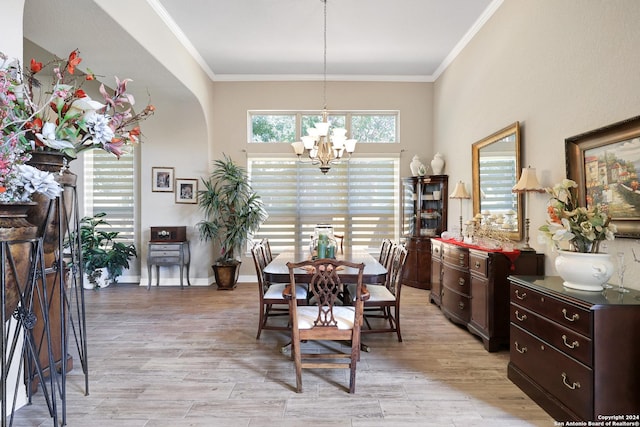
x: 561, y: 68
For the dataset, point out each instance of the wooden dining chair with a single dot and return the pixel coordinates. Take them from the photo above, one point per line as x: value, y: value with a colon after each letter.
x: 327, y: 320
x: 384, y: 299
x: 385, y: 251
x: 268, y: 255
x: 339, y: 241
x: 272, y: 303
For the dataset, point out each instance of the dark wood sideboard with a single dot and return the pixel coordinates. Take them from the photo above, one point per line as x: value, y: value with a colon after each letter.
x: 576, y: 353
x: 470, y: 286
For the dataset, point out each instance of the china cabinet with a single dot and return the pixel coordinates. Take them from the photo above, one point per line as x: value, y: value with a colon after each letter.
x: 424, y: 216
x: 575, y: 353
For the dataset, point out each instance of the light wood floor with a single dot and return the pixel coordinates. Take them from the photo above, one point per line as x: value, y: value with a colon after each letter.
x: 172, y: 358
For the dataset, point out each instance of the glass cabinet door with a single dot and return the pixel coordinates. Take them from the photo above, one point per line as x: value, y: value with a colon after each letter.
x: 425, y: 206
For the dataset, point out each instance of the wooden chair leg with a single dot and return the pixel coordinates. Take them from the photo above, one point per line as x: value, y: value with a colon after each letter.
x: 355, y: 356
x: 260, y: 321
x: 397, y: 321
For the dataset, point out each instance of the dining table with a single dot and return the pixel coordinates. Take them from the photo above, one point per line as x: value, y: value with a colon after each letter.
x: 374, y: 272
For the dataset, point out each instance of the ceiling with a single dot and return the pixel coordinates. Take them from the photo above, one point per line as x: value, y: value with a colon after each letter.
x: 366, y: 39
x: 244, y: 40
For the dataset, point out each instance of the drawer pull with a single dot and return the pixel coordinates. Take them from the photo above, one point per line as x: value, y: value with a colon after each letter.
x: 522, y: 350
x: 573, y: 318
x: 571, y: 386
x: 461, y: 305
x: 461, y: 281
x: 521, y: 318
x: 519, y: 296
x: 574, y: 344
x: 477, y: 264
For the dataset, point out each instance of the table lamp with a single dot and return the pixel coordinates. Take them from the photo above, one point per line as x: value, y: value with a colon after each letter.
x: 528, y: 183
x: 460, y: 192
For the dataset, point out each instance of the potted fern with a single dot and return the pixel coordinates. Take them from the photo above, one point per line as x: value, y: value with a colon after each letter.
x: 232, y: 213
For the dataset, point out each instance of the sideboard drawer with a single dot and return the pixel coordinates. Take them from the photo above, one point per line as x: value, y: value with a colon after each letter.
x: 568, y: 380
x: 478, y: 264
x: 436, y: 250
x: 456, y: 305
x: 456, y: 280
x: 569, y: 315
x: 566, y: 340
x: 456, y: 256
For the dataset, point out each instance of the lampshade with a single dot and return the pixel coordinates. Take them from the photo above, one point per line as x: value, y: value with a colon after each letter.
x: 528, y: 182
x: 460, y: 192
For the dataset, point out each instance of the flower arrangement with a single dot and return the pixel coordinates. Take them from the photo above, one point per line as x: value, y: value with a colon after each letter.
x: 65, y: 119
x: 584, y: 228
x: 57, y: 117
x: 18, y: 181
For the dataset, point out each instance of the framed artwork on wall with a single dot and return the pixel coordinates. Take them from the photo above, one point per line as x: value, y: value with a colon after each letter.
x: 162, y: 179
x: 605, y: 163
x: 186, y: 190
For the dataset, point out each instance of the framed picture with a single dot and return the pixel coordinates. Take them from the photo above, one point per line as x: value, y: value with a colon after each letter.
x: 605, y: 163
x: 186, y: 190
x: 162, y: 179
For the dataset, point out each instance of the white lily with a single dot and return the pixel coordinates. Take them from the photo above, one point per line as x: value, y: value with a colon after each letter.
x: 86, y: 104
x: 48, y: 138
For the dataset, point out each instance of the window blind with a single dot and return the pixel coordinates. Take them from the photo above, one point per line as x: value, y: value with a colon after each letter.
x: 109, y: 188
x: 359, y: 198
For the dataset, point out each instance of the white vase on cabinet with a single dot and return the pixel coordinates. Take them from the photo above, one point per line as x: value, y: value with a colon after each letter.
x: 416, y: 166
x: 437, y: 164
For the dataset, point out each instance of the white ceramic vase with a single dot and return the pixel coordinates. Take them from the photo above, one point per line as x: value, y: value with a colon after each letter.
x: 584, y: 271
x: 437, y: 164
x: 415, y: 166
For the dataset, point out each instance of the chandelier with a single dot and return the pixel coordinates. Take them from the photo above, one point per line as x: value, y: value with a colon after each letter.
x: 324, y: 145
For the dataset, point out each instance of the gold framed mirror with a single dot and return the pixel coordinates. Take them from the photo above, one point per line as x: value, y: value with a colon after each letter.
x: 496, y: 169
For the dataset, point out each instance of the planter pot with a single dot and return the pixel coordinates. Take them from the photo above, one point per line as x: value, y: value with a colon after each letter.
x: 226, y: 275
x: 101, y: 282
x: 45, y: 212
x: 15, y: 226
x: 584, y: 271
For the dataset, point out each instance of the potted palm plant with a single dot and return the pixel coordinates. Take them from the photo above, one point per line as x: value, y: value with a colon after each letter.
x: 232, y: 213
x: 103, y: 258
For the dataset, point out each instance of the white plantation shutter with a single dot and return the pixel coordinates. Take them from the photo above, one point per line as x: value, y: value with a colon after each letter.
x: 359, y: 198
x: 109, y: 187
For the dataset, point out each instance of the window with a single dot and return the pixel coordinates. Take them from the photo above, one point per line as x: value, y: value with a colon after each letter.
x: 374, y: 127
x: 359, y: 198
x: 273, y: 127
x: 109, y: 188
